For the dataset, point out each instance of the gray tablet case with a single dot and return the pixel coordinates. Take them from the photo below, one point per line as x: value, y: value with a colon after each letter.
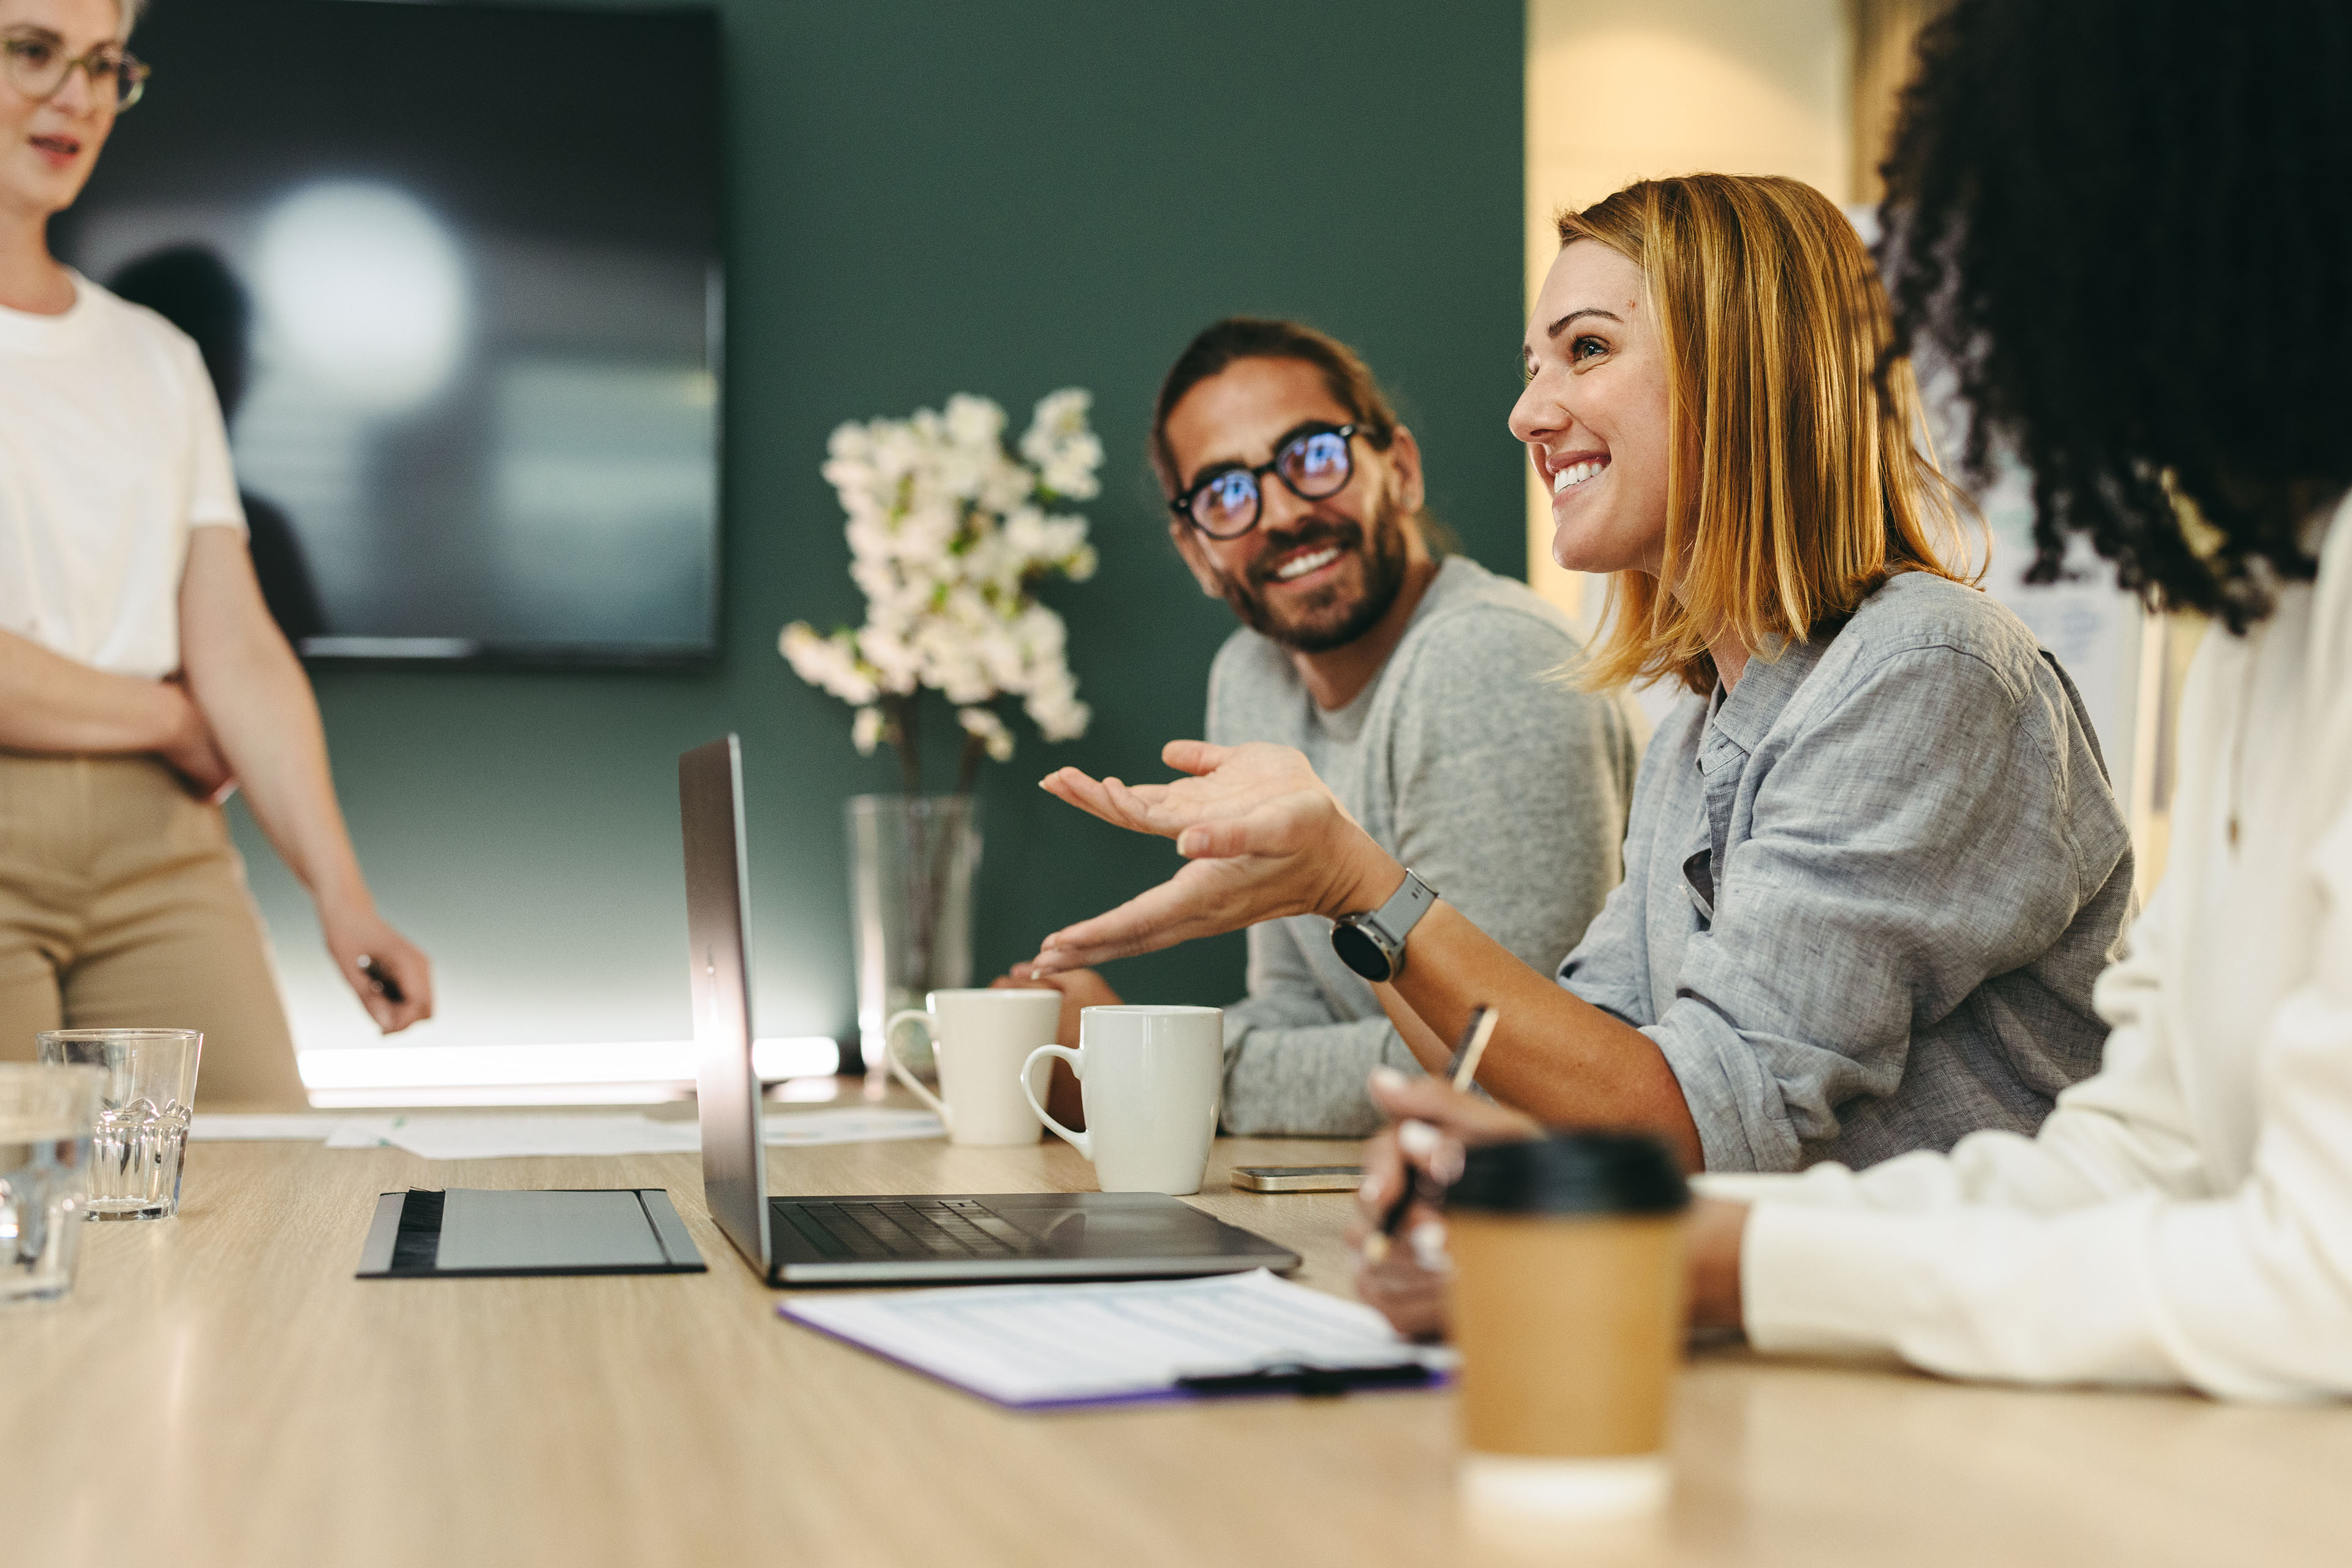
x: 628, y: 1230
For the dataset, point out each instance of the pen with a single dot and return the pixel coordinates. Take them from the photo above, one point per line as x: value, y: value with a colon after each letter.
x: 1461, y: 1072
x: 381, y: 978
x: 1315, y: 1382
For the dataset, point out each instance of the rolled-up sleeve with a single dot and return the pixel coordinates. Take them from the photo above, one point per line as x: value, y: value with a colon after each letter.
x: 1908, y: 845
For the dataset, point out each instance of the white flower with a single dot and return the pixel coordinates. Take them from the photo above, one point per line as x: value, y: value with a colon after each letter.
x: 1065, y: 451
x: 984, y: 723
x: 865, y: 731
x: 1059, y: 718
x: 949, y: 533
x: 830, y: 662
x: 976, y: 422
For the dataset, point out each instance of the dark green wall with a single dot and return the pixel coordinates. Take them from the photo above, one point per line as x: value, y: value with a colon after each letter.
x: 928, y: 198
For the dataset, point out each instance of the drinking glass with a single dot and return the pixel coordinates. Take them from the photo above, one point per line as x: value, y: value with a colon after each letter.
x: 142, y: 1117
x: 46, y: 1114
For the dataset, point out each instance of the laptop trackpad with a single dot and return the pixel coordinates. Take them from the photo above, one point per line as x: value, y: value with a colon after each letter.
x: 1113, y: 1225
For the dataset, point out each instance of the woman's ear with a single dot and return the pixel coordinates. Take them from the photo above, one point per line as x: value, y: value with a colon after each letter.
x: 1196, y: 556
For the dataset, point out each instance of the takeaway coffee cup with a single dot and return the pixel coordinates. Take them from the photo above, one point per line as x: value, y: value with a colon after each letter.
x: 1568, y: 1308
x: 981, y: 1041
x: 1150, y: 1079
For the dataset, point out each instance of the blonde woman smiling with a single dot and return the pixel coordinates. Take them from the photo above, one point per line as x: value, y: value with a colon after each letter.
x: 1873, y: 863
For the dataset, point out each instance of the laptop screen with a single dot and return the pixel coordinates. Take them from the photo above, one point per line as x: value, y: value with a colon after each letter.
x: 711, y: 815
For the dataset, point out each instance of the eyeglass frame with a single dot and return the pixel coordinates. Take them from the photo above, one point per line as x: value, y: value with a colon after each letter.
x: 1182, y: 505
x: 139, y: 71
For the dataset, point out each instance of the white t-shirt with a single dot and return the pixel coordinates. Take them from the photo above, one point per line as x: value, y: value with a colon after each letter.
x: 111, y: 448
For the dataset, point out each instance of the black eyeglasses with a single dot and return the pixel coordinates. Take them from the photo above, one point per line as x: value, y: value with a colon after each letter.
x: 36, y: 65
x: 1311, y: 465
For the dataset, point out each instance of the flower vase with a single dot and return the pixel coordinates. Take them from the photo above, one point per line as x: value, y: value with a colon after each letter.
x: 911, y: 862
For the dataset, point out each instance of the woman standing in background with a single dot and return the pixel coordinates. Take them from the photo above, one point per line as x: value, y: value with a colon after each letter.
x: 141, y: 677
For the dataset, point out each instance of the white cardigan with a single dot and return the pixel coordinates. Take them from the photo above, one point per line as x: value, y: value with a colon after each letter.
x: 2185, y: 1215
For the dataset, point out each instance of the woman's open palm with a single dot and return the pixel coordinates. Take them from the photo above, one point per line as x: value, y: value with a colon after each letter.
x: 1263, y: 838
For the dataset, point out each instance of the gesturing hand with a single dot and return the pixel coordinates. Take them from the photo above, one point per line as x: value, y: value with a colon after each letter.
x: 1263, y: 837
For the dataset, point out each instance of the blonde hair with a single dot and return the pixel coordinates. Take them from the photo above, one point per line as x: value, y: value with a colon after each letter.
x: 1796, y: 483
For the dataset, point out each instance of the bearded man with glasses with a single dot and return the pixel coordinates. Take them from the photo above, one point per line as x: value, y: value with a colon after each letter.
x: 1420, y: 684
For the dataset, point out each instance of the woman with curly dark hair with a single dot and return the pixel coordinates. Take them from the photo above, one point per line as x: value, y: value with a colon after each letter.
x: 2129, y: 224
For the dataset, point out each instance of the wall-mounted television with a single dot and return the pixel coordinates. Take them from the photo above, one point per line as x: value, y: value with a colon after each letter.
x: 456, y: 271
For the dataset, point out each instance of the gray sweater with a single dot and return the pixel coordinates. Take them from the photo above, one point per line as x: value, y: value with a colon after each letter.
x: 1507, y: 791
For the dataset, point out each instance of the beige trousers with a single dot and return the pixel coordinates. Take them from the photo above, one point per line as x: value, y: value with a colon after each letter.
x: 122, y: 904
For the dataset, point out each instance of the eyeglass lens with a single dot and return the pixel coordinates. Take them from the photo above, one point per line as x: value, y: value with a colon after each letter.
x: 1314, y: 466
x: 37, y: 68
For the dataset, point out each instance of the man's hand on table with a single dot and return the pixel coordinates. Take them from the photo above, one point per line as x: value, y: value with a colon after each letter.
x: 1433, y: 1128
x: 1080, y: 989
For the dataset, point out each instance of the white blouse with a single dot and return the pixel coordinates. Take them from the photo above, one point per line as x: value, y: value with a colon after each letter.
x: 2185, y: 1215
x: 110, y: 449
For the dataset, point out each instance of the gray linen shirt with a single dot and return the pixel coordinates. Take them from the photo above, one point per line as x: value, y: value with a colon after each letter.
x: 1505, y: 791
x: 1867, y: 891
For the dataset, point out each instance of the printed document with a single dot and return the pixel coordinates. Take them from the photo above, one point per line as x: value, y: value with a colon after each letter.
x: 1039, y: 1346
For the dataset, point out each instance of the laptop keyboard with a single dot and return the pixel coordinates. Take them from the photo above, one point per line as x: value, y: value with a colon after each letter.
x: 904, y: 1228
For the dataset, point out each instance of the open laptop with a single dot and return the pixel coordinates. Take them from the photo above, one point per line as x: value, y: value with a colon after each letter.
x: 884, y: 1240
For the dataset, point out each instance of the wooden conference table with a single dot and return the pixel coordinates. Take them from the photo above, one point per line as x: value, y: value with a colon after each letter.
x: 220, y: 1390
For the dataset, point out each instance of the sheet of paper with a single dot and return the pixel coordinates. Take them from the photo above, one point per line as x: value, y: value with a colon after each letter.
x: 212, y: 1126
x: 1043, y: 1345
x: 848, y: 1124
x: 518, y: 1135
x: 503, y: 1136
x: 363, y: 1132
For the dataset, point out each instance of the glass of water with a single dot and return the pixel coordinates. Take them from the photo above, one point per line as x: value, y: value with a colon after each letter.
x: 45, y: 1115
x: 142, y: 1115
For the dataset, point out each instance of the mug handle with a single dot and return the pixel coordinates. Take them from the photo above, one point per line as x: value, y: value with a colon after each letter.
x: 1084, y: 1142
x: 899, y: 1068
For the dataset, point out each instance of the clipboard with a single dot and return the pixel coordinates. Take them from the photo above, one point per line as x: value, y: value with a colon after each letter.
x: 1074, y: 1346
x: 471, y: 1233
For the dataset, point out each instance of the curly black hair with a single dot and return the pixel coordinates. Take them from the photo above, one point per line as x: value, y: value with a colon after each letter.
x: 2128, y: 223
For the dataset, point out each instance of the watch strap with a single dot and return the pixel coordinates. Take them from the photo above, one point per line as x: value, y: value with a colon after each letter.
x: 1372, y: 944
x: 1405, y: 908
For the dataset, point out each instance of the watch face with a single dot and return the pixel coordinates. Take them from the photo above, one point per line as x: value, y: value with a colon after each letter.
x: 1360, y: 952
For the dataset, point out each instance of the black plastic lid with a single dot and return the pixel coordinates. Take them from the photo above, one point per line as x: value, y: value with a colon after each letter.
x: 1572, y: 1173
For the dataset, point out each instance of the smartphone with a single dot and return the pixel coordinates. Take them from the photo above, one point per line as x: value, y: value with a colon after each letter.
x: 1299, y: 1178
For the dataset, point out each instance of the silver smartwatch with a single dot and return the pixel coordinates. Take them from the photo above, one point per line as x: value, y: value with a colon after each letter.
x: 1373, y: 944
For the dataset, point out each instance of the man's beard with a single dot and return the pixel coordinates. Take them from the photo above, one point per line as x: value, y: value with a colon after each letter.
x: 1312, y: 626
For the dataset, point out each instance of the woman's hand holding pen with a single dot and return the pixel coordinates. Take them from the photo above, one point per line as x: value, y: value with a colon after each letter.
x: 1263, y: 836
x: 392, y: 978
x: 1434, y: 1125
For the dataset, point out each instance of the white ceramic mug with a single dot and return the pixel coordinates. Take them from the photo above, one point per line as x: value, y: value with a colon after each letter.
x: 1149, y: 1078
x: 981, y: 1041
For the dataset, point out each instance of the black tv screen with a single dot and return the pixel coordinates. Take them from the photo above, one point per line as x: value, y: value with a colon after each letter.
x: 456, y: 269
